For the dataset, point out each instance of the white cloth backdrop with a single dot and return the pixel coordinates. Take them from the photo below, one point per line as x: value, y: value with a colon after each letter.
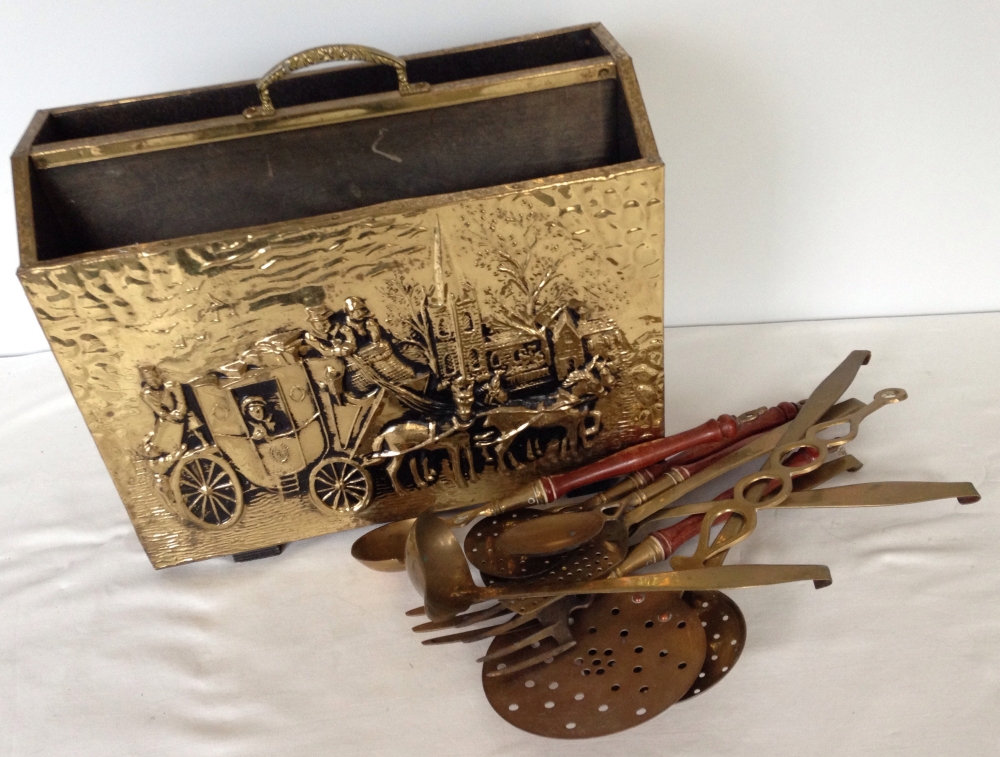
x: 793, y: 133
x: 309, y: 653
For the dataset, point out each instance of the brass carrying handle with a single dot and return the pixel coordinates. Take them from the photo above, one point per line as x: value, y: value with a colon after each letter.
x: 326, y: 54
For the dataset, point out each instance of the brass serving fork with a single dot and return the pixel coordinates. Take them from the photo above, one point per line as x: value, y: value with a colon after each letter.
x: 555, y: 618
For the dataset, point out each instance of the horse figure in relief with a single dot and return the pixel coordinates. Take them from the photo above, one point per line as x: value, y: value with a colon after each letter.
x: 569, y: 408
x: 407, y: 439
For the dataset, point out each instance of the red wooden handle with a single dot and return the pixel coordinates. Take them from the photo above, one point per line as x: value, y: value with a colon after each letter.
x: 672, y: 537
x: 705, y: 455
x: 686, y: 471
x: 639, y: 456
x: 772, y: 417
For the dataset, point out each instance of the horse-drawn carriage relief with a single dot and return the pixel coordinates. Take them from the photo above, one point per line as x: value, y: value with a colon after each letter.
x: 344, y: 410
x: 278, y: 428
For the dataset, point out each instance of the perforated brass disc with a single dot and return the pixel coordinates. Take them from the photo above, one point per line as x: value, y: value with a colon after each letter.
x: 633, y: 659
x: 480, y: 548
x: 725, y: 633
x: 588, y: 562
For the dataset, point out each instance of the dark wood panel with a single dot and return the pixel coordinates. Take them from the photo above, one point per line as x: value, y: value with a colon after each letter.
x: 323, y: 85
x: 282, y: 176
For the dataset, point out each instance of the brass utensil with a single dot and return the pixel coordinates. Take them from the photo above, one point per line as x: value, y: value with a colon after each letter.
x: 638, y: 654
x: 648, y: 551
x: 383, y: 548
x: 780, y: 471
x: 555, y: 620
x: 594, y: 559
x: 481, y: 547
x: 876, y: 494
x: 555, y: 617
x: 750, y: 424
x: 661, y: 544
x: 669, y: 539
x: 588, y: 562
x: 438, y: 570
x: 813, y: 411
x: 648, y: 504
x: 556, y: 533
x: 722, y: 620
x: 725, y: 633
x: 550, y: 488
x: 571, y: 526
x: 725, y: 627
x: 516, y: 620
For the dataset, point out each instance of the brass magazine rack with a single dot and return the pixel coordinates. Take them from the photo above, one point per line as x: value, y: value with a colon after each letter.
x: 341, y: 297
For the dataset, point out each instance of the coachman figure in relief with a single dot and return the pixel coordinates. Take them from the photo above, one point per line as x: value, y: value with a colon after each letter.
x: 172, y: 419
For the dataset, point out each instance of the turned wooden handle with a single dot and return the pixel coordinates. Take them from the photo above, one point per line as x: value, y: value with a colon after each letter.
x: 672, y: 537
x: 668, y: 540
x: 708, y: 454
x: 660, y: 545
x: 725, y: 427
x: 770, y: 418
x: 646, y: 476
x: 636, y: 480
x: 684, y: 472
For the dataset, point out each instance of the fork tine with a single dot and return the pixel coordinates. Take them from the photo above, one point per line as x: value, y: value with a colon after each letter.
x: 466, y: 619
x: 416, y: 612
x: 554, y: 620
x: 543, y: 633
x: 532, y: 661
x: 478, y: 634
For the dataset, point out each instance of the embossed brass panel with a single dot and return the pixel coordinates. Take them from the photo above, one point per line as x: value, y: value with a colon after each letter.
x: 258, y: 385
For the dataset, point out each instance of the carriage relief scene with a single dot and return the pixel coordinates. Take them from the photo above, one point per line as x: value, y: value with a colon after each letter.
x: 343, y: 409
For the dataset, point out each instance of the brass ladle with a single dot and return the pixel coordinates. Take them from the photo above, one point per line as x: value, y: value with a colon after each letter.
x: 438, y: 570
x: 383, y: 548
x: 655, y: 548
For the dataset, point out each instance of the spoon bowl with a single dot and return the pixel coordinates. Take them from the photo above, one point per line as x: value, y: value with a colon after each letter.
x: 384, y: 548
x: 551, y: 535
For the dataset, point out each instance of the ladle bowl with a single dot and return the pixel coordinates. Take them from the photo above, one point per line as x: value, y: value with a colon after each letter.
x: 384, y: 548
x: 437, y: 568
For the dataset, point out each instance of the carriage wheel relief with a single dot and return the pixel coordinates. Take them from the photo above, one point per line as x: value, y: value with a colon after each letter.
x: 207, y: 491
x: 339, y: 484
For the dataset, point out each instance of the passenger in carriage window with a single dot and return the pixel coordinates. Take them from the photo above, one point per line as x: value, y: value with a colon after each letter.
x: 259, y: 420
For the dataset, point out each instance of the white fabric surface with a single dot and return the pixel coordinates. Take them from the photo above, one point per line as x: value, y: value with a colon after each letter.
x: 310, y: 653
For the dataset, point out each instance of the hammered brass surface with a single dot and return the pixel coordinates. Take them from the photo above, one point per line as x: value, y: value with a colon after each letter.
x: 636, y: 655
x: 142, y: 332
